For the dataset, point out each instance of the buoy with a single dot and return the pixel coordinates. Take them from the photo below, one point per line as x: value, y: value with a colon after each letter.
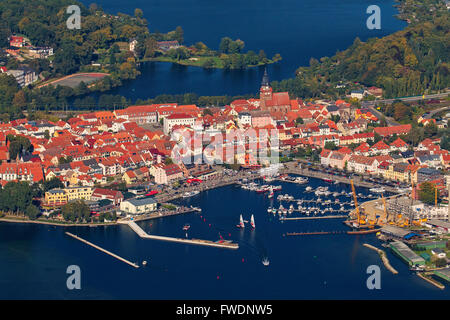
x: 210, y: 224
x: 218, y: 277
x: 242, y: 259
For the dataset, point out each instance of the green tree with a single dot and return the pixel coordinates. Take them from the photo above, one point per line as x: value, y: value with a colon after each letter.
x: 299, y: 121
x: 208, y: 63
x: 32, y: 212
x: 427, y: 192
x: 225, y: 44
x: 18, y: 145
x: 330, y: 145
x: 53, y: 183
x: 15, y: 197
x: 179, y: 34
x: 76, y: 211
x: 138, y: 13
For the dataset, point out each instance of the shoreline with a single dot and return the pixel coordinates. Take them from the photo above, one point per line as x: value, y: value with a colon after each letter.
x: 193, y: 64
x: 56, y: 224
x: 167, y: 198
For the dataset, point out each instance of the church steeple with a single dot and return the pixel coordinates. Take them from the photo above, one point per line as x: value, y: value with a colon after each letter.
x: 265, y: 93
x: 265, y: 80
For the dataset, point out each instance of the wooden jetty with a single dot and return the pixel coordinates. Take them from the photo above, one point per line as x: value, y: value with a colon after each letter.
x: 315, y: 217
x: 102, y: 250
x: 290, y: 234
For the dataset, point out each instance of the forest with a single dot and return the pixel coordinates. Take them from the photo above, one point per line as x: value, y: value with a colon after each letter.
x: 409, y: 62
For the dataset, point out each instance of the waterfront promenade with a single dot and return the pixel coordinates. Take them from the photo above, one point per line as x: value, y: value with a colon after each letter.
x: 289, y: 168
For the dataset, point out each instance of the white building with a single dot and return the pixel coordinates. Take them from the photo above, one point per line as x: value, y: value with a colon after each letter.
x: 138, y: 206
x: 179, y: 119
x: 245, y: 118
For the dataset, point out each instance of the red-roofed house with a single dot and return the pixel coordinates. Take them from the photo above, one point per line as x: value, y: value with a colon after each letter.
x: 379, y: 148
x: 389, y: 131
x: 178, y: 119
x: 106, y: 194
x: 399, y: 145
x: 164, y: 174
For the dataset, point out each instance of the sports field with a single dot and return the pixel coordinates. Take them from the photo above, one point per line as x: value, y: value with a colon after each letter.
x: 74, y: 80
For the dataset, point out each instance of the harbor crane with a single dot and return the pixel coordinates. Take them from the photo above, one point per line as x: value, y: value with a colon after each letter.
x: 386, y: 216
x: 358, y: 214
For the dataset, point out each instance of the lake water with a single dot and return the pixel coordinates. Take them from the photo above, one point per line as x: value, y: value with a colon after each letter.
x: 34, y: 258
x: 297, y: 29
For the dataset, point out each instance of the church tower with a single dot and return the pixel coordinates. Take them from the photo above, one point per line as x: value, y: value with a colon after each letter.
x: 265, y: 93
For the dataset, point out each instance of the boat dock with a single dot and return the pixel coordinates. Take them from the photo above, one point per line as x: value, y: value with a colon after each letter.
x: 315, y: 217
x: 383, y: 257
x: 290, y: 234
x: 102, y: 250
x: 159, y: 214
x: 141, y: 233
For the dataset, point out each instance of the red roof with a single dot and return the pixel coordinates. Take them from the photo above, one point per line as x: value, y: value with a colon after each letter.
x: 388, y: 131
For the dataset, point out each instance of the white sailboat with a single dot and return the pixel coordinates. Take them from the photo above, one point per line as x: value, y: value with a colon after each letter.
x: 270, y: 192
x: 252, y: 222
x: 241, y: 222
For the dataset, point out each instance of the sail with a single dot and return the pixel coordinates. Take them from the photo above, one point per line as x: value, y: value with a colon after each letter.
x: 252, y: 221
x: 241, y: 221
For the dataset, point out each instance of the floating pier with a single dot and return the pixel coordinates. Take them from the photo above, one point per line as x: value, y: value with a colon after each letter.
x: 103, y: 250
x: 383, y: 257
x: 315, y: 217
x: 290, y: 234
x: 145, y: 235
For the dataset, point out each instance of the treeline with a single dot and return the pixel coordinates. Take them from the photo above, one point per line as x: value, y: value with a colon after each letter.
x: 17, y: 198
x: 409, y: 62
x: 109, y: 102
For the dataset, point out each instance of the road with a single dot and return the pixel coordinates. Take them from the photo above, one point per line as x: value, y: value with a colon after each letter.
x: 415, y: 98
x: 391, y: 122
x: 430, y: 114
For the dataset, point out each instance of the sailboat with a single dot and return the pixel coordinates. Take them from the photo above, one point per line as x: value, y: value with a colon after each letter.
x: 270, y: 192
x: 241, y: 223
x: 252, y: 222
x: 265, y: 261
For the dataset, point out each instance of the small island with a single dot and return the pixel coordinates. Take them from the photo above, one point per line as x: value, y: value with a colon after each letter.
x: 229, y: 56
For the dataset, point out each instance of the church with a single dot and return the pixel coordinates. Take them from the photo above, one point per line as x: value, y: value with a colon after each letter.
x: 273, y: 102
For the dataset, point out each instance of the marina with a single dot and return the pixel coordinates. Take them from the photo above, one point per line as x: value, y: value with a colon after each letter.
x: 259, y: 254
x: 312, y: 218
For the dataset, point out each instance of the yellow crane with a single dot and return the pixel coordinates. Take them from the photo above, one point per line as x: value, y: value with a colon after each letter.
x: 385, y: 210
x: 435, y: 195
x: 356, y: 205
